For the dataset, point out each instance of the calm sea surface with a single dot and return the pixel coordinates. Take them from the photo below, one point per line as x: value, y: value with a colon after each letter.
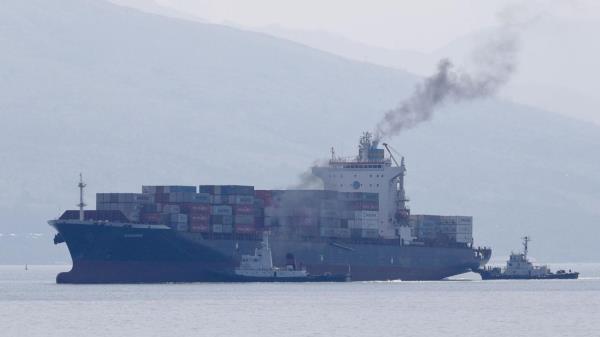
x: 31, y: 304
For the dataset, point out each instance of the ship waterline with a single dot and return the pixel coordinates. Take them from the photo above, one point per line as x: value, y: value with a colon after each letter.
x: 133, y: 253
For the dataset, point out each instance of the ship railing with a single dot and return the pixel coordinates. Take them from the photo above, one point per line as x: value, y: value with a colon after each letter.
x: 355, y: 160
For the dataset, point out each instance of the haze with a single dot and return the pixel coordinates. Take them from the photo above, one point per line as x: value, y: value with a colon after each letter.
x: 412, y: 35
x: 134, y: 92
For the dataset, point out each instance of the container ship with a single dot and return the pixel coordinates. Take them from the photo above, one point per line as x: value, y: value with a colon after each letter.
x: 358, y: 224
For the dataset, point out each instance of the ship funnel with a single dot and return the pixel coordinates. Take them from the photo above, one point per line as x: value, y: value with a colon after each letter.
x: 368, y: 149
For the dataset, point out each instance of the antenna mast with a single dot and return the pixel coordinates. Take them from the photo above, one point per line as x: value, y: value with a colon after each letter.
x: 526, y: 240
x: 81, y: 204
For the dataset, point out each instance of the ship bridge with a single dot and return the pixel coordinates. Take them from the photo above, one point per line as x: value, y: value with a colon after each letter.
x: 371, y: 171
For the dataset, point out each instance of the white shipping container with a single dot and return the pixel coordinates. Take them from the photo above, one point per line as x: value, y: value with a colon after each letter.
x: 366, y: 214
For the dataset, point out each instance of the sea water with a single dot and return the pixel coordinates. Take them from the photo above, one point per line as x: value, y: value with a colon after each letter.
x: 32, y: 304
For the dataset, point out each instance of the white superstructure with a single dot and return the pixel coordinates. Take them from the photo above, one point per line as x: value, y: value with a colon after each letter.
x: 260, y: 265
x: 519, y: 265
x: 371, y: 171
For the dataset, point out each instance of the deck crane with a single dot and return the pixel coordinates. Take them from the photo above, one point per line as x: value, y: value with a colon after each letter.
x: 390, y: 152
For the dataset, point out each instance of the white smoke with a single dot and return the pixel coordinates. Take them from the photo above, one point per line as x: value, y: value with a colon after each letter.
x: 307, y: 180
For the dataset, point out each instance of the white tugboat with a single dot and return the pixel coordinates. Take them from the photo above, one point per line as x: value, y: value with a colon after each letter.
x: 259, y: 268
x: 519, y: 267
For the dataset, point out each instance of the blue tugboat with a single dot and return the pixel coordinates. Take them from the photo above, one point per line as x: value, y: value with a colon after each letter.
x: 518, y: 267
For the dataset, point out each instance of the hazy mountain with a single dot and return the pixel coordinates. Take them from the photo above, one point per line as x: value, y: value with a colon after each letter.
x: 131, y: 98
x: 560, y: 79
x: 412, y: 61
x: 153, y: 7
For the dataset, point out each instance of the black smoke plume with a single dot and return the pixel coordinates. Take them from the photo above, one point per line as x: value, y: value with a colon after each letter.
x: 495, y: 62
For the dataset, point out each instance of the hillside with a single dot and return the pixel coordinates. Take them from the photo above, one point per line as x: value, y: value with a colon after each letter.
x: 131, y: 98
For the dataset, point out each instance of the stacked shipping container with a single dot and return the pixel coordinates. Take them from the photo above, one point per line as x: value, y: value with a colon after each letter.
x: 180, y: 207
x: 130, y: 204
x: 439, y: 227
x: 241, y: 209
x: 232, y: 208
x: 315, y: 213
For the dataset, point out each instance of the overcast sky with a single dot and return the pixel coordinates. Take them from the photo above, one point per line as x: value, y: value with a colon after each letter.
x: 422, y: 25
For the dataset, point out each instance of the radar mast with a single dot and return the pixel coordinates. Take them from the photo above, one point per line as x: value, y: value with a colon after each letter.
x: 81, y: 204
x: 526, y: 240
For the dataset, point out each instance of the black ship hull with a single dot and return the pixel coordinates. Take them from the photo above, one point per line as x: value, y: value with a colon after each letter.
x: 486, y: 275
x: 105, y: 252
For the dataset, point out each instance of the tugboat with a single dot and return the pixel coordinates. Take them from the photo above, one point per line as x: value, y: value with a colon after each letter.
x: 518, y: 267
x: 259, y: 268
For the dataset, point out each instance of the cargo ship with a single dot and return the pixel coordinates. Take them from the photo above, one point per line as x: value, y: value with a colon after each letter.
x: 359, y: 223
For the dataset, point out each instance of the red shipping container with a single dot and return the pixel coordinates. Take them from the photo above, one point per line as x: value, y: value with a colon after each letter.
x: 196, y: 208
x: 265, y: 195
x: 199, y: 218
x: 261, y: 194
x: 199, y: 228
x: 245, y: 229
x: 372, y: 206
x: 244, y: 209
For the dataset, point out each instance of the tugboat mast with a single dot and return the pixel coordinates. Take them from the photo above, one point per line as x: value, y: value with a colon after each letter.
x: 81, y: 204
x: 526, y: 240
